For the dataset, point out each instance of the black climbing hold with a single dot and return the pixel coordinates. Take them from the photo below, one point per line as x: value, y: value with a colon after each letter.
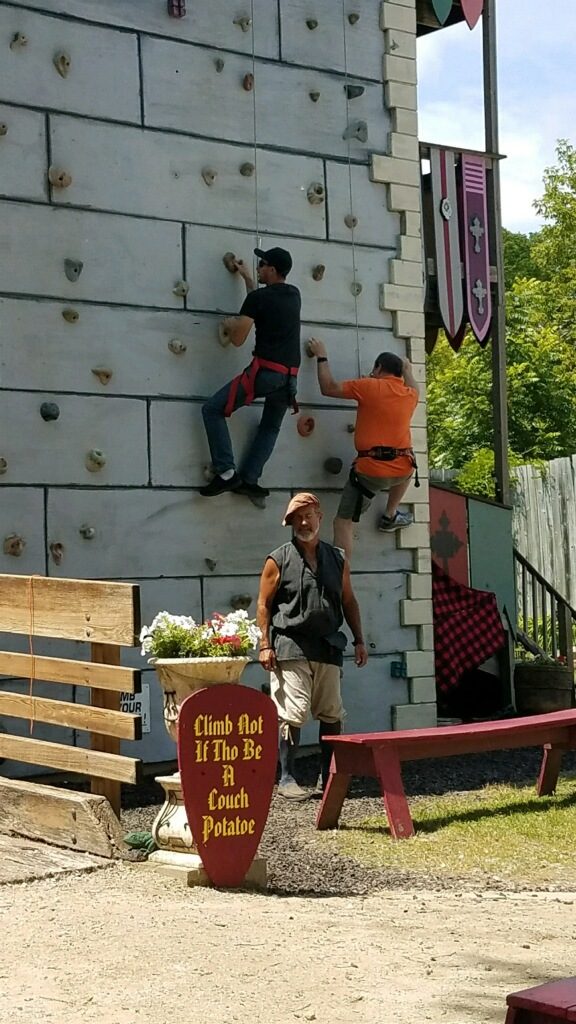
x: 73, y: 269
x: 357, y: 130
x: 219, y: 64
x: 49, y: 411
x: 247, y: 170
x: 314, y: 95
x: 353, y: 18
x: 312, y: 23
x: 354, y: 91
x: 333, y: 465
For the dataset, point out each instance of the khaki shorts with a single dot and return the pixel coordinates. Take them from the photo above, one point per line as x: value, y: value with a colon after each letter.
x: 299, y: 687
x: 349, y: 499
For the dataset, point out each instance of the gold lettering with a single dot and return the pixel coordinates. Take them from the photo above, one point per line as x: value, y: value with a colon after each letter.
x: 225, y: 827
x: 228, y: 801
x: 222, y: 751
x: 228, y: 775
x: 206, y: 725
x: 251, y: 751
x: 250, y: 726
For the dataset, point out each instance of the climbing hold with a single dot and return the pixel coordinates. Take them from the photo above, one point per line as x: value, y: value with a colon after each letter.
x: 73, y: 269
x: 181, y: 289
x: 248, y: 82
x: 312, y: 23
x: 88, y: 532
x: 3, y: 130
x: 351, y: 428
x: 103, y: 373
x: 350, y: 220
x: 59, y: 177
x: 243, y: 22
x: 210, y: 563
x: 177, y: 347
x: 355, y: 288
x: 354, y: 91
x: 316, y: 194
x: 308, y: 348
x: 62, y: 63
x: 229, y: 260
x: 333, y: 466
x: 3, y: 464
x: 176, y: 8
x: 95, y: 460
x: 219, y: 64
x: 209, y: 175
x: 223, y: 334
x: 353, y: 18
x: 49, y: 411
x: 71, y: 316
x: 19, y: 41
x: 247, y: 170
x: 314, y: 95
x: 240, y: 602
x: 14, y: 545
x: 318, y: 272
x: 305, y: 425
x: 57, y: 552
x: 357, y: 130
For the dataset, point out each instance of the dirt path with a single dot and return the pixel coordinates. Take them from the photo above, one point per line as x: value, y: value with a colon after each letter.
x: 124, y: 946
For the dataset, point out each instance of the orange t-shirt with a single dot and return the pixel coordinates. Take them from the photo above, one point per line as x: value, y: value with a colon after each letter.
x: 385, y: 408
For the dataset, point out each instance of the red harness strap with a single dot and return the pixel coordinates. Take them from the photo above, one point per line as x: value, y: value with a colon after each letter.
x: 248, y: 380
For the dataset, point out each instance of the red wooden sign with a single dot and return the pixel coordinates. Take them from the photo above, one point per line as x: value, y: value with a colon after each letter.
x: 227, y: 754
x: 449, y: 533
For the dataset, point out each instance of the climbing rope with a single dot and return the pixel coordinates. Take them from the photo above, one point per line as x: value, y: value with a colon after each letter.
x: 255, y: 86
x: 350, y: 190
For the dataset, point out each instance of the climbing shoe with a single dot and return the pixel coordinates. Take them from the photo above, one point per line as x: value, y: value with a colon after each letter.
x: 388, y: 524
x: 250, y: 490
x: 218, y: 486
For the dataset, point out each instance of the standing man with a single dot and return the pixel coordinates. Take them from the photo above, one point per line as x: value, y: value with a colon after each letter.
x: 385, y: 461
x: 305, y: 593
x: 275, y: 312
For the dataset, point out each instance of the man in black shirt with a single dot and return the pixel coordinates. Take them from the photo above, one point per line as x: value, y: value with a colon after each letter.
x: 275, y: 312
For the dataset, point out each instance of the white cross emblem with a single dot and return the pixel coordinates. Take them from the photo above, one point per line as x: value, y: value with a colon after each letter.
x: 477, y: 231
x: 479, y: 292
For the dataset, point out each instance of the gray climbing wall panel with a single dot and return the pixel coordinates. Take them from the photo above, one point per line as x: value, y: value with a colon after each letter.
x: 133, y: 147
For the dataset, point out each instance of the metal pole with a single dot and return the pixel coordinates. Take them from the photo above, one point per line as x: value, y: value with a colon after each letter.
x: 499, y: 385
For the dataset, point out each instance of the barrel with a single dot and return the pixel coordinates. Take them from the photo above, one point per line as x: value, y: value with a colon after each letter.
x: 542, y: 687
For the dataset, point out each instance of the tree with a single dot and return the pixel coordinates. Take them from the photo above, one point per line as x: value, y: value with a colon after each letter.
x: 518, y: 258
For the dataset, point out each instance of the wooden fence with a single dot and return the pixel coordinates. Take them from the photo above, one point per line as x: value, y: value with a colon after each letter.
x: 104, y: 615
x: 544, y: 521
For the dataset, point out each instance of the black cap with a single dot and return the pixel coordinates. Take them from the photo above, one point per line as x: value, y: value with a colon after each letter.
x: 280, y: 259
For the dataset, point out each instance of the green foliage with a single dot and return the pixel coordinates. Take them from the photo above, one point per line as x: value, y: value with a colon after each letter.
x: 179, y: 636
x: 518, y: 259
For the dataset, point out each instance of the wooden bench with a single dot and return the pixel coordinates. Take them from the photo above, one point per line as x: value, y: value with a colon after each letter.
x: 544, y: 1004
x: 380, y: 755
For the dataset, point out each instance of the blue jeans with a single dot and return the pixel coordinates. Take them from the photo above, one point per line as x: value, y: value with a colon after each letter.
x: 272, y: 386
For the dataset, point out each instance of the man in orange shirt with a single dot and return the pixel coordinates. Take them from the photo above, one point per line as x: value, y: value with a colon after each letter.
x: 386, y: 403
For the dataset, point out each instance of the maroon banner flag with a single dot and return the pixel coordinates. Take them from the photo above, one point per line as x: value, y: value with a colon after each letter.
x: 447, y: 239
x: 472, y: 11
x: 442, y: 9
x: 476, y: 247
x: 227, y: 755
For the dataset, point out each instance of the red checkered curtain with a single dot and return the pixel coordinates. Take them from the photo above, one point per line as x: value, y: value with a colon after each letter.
x: 467, y: 628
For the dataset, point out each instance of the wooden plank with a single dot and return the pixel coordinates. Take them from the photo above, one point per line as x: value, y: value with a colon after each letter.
x: 70, y: 759
x: 77, y: 673
x: 104, y: 699
x: 61, y: 817
x: 74, y: 716
x: 550, y: 769
x: 24, y: 861
x: 100, y: 612
x: 389, y: 773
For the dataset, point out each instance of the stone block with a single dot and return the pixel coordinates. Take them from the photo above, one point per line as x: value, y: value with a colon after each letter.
x: 411, y: 249
x: 422, y: 690
x: 399, y: 69
x: 390, y: 170
x: 413, y: 536
x: 402, y: 44
x: 414, y: 716
x: 188, y: 869
x: 416, y: 351
x: 406, y: 273
x: 421, y: 512
x: 411, y: 220
x: 426, y: 638
x: 415, y: 613
x: 419, y: 588
x: 419, y: 663
x: 405, y: 147
x: 397, y: 297
x: 405, y: 121
x: 409, y: 325
x: 398, y: 16
x: 423, y: 561
x: 398, y: 94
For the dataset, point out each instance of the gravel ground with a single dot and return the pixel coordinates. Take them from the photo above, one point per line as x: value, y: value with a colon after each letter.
x: 302, y: 861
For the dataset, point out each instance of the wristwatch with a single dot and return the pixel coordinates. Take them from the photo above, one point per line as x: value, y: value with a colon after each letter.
x: 321, y: 359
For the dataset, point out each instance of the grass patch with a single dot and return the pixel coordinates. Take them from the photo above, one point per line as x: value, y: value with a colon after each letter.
x: 500, y: 832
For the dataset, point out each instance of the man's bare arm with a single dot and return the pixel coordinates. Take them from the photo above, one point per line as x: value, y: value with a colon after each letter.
x: 269, y: 583
x: 408, y: 374
x: 236, y: 329
x: 352, y: 615
x: 328, y: 386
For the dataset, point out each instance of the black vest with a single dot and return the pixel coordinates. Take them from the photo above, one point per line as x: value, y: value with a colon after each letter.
x: 307, y: 608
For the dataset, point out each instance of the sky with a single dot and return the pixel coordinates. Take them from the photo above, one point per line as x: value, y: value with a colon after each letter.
x: 537, y: 86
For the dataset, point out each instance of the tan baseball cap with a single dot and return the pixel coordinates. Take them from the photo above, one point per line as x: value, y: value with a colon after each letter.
x: 300, y: 500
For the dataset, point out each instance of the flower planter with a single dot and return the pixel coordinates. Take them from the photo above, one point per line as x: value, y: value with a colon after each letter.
x: 541, y: 687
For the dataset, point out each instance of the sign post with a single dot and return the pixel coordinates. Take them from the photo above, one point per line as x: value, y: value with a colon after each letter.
x: 227, y: 753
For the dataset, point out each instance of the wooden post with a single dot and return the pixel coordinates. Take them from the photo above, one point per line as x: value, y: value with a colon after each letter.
x: 106, y: 654
x: 565, y: 638
x: 499, y: 383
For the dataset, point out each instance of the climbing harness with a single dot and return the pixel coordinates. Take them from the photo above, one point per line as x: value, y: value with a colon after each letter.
x: 247, y: 380
x: 381, y: 453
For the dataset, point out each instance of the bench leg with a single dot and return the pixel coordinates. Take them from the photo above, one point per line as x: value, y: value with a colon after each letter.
x: 390, y: 774
x: 550, y: 769
x: 333, y: 798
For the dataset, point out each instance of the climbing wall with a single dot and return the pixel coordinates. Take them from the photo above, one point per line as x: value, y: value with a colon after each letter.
x: 135, y: 150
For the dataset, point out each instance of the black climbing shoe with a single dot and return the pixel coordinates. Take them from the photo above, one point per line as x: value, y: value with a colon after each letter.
x: 250, y: 490
x: 218, y: 486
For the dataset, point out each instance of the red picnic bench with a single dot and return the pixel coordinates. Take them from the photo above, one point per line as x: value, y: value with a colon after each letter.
x: 544, y: 1004
x: 380, y: 754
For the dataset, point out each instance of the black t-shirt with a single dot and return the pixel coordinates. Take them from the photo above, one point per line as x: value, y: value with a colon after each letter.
x: 275, y: 311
